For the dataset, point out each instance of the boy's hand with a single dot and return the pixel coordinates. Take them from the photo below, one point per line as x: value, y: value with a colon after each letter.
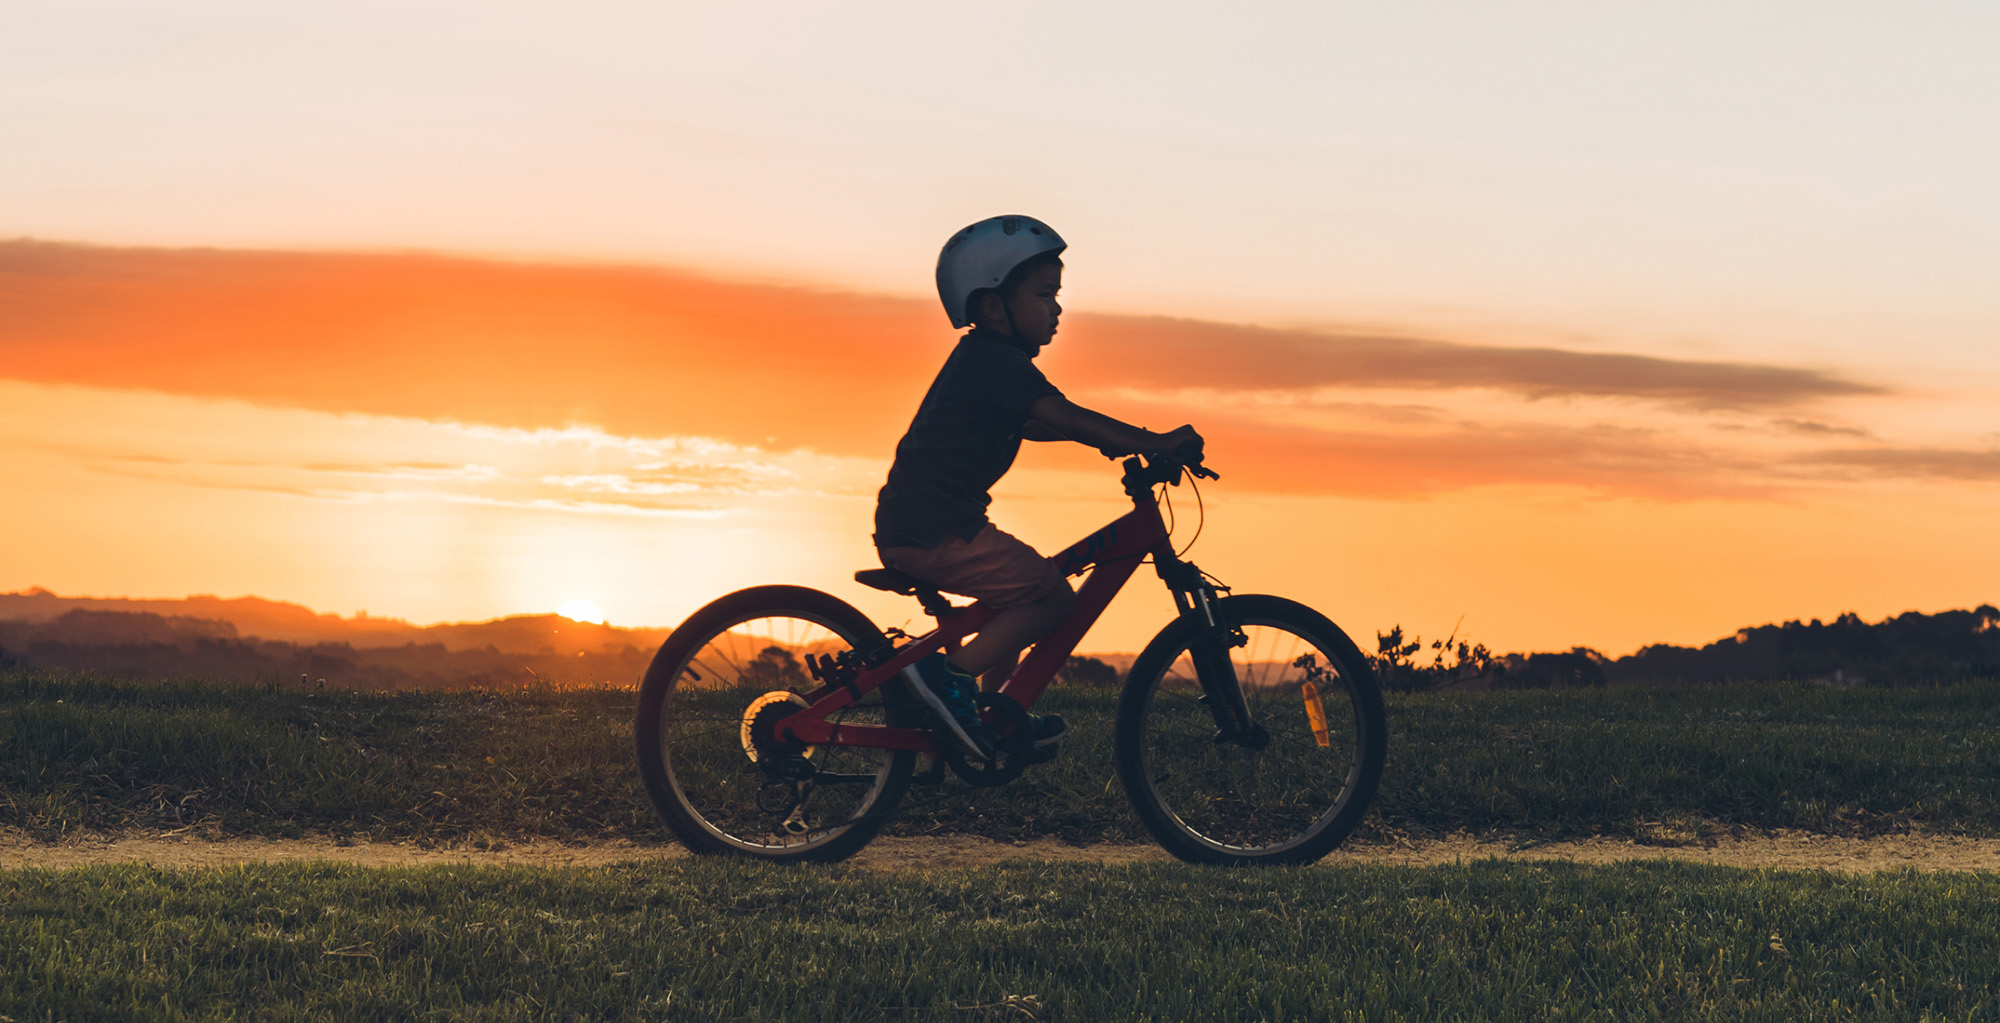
x: 1184, y: 444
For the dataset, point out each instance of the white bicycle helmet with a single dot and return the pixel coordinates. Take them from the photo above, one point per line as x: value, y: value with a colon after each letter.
x: 981, y: 256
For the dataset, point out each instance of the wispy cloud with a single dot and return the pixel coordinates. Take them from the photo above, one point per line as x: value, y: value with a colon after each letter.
x: 1164, y: 352
x: 340, y: 458
x: 1909, y: 463
x: 1813, y: 428
x: 1454, y: 454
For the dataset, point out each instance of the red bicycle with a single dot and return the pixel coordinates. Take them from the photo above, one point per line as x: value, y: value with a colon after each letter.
x: 1250, y: 730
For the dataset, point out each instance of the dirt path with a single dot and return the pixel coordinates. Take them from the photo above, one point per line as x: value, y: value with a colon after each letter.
x: 1787, y: 851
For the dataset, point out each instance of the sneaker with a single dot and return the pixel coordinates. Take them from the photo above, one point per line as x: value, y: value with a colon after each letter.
x: 949, y: 694
x: 1050, y: 730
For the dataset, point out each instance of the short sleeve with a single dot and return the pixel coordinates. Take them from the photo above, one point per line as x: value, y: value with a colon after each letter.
x: 1014, y: 384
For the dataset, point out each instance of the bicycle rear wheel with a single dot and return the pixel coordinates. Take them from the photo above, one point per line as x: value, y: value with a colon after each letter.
x: 706, y: 749
x: 1294, y: 799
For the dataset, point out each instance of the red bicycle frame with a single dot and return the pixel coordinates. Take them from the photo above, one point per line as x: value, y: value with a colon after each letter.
x: 1110, y: 554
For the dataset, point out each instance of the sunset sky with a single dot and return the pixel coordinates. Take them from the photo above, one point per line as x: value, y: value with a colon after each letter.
x: 1587, y: 324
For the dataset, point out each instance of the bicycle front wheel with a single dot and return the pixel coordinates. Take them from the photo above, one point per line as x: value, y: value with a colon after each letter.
x: 707, y: 750
x: 1293, y: 799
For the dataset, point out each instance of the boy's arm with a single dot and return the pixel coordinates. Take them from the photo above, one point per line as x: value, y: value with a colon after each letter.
x: 1055, y: 417
x: 1035, y: 429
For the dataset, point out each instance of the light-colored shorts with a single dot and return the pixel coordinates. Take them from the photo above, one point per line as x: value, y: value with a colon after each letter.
x: 992, y: 566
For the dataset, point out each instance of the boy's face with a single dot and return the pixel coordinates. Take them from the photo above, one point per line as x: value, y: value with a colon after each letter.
x: 1032, y: 309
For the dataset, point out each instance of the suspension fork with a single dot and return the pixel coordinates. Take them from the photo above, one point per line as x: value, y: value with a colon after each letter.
x: 1199, y: 601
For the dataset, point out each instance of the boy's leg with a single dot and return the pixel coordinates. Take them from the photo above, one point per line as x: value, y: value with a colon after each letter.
x: 1032, y: 594
x: 1014, y: 629
x: 994, y: 567
x: 993, y: 678
x: 1033, y: 598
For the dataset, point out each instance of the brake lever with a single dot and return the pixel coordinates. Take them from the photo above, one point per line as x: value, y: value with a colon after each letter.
x: 1202, y: 472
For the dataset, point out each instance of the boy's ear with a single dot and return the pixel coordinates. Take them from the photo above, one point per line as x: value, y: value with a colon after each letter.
x: 988, y: 309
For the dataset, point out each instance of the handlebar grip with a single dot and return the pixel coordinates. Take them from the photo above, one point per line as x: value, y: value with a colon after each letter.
x: 1189, y: 453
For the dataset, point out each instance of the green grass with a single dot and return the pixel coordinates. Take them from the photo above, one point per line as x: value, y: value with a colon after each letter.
x: 99, y: 754
x: 1656, y: 764
x: 707, y: 940
x: 720, y: 941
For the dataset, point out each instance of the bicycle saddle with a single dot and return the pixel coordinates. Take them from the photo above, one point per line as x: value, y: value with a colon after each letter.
x: 892, y: 581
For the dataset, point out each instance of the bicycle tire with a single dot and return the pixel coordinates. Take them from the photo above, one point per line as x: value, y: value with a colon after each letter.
x: 701, y: 775
x: 1293, y: 801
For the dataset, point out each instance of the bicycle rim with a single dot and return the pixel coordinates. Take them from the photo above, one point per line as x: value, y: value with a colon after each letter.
x: 1294, y: 799
x: 719, y: 797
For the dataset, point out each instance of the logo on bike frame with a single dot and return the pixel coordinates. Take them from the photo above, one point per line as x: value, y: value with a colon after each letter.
x: 1087, y: 550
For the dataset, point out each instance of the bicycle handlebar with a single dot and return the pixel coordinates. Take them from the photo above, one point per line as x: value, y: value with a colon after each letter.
x: 1143, y: 471
x: 1158, y: 463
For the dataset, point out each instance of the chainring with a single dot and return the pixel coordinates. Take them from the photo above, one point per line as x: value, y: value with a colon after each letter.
x: 1013, y: 735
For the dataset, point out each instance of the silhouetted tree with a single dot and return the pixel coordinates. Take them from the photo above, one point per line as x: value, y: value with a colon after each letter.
x: 1089, y: 671
x: 775, y: 667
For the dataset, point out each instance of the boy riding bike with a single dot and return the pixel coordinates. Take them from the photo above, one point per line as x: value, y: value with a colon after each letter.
x: 1000, y: 276
x: 779, y: 722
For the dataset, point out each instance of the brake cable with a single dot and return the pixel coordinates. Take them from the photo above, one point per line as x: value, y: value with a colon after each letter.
x: 1201, y: 514
x: 1201, y: 511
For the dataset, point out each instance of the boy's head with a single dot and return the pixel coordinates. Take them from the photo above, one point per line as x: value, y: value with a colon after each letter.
x: 1024, y: 304
x: 992, y: 255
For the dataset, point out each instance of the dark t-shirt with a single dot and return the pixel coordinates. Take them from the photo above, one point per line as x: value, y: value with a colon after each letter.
x: 963, y: 439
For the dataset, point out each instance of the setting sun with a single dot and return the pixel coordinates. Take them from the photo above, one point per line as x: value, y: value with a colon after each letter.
x: 582, y: 611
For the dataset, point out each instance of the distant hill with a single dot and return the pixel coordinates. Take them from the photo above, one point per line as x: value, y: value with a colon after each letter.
x: 1906, y: 649
x: 1899, y: 650
x: 277, y: 621
x: 250, y: 639
x: 253, y: 640
x: 140, y: 644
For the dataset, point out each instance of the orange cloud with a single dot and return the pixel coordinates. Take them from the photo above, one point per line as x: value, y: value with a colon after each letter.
x: 1162, y: 352
x: 1451, y: 454
x: 638, y: 352
x: 656, y: 353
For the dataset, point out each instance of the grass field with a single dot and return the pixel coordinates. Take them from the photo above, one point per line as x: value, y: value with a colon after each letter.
x: 726, y: 940
x: 1662, y: 765
x: 720, y: 941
